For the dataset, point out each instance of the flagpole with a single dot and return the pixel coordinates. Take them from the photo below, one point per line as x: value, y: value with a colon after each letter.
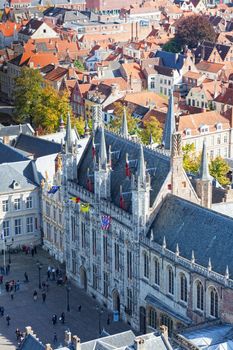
x: 4, y: 253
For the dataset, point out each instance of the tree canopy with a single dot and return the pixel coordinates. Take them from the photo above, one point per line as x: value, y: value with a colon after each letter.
x: 219, y: 169
x: 41, y: 106
x: 151, y: 128
x: 116, y: 123
x: 79, y: 65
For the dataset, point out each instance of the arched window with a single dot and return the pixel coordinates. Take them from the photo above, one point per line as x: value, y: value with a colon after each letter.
x: 152, y: 318
x: 157, y: 272
x: 183, y: 287
x: 213, y: 302
x: 170, y: 280
x: 199, y: 295
x: 146, y: 265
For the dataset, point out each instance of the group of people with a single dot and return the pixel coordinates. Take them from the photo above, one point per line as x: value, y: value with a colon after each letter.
x: 61, y: 318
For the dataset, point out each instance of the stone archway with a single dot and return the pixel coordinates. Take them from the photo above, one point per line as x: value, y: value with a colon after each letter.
x: 83, y: 277
x: 116, y: 301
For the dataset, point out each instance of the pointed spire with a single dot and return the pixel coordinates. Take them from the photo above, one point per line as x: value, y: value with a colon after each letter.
x: 68, y: 137
x: 170, y: 126
x: 124, y: 126
x: 164, y: 242
x: 209, y: 265
x: 61, y: 124
x: 141, y: 169
x: 103, y: 152
x: 86, y: 129
x: 193, y: 257
x: 177, y: 250
x: 151, y: 142
x: 227, y: 275
x: 204, y: 169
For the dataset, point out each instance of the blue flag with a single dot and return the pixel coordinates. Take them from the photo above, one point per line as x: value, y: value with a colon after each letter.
x: 53, y: 189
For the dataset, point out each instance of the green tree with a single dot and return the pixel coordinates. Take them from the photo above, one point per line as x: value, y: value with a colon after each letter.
x: 79, y: 65
x: 172, y: 46
x: 116, y: 123
x: 150, y: 128
x: 194, y: 29
x: 191, y: 161
x: 27, y: 95
x: 79, y: 123
x: 219, y: 169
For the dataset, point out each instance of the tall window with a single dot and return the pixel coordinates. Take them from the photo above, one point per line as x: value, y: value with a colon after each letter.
x: 94, y: 242
x: 199, y: 296
x: 95, y: 277
x: 129, y: 301
x: 17, y: 226
x: 213, y: 303
x: 152, y: 318
x: 29, y: 202
x: 157, y: 272
x: 17, y: 204
x: 5, y: 206
x: 6, y: 228
x: 48, y: 231
x: 166, y: 321
x: 47, y: 209
x: 129, y: 264
x: 29, y: 224
x: 74, y: 265
x: 105, y: 248
x: 117, y: 256
x: 170, y: 280
x: 73, y: 228
x: 105, y: 284
x: 183, y: 287
x: 83, y: 234
x: 60, y: 240
x: 146, y: 265
x: 54, y: 214
x: 60, y: 216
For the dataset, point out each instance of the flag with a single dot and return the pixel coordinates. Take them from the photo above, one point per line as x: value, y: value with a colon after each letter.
x: 85, y: 207
x: 127, y: 169
x: 53, y: 189
x: 105, y: 222
x: 122, y: 202
x: 75, y: 199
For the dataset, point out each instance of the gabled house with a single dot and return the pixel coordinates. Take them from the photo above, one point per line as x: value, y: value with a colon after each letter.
x: 36, y: 29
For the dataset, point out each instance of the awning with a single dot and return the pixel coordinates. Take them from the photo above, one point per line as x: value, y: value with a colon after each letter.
x: 158, y: 304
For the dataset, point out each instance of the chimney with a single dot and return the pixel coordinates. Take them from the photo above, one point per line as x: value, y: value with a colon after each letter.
x: 28, y: 330
x: 139, y: 343
x: 76, y: 342
x: 164, y: 331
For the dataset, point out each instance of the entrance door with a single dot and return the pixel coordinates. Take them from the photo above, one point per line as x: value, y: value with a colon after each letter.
x: 83, y: 278
x: 116, y: 301
x: 142, y: 312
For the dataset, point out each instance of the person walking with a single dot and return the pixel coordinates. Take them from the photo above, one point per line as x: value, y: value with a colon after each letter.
x: 2, y: 311
x: 12, y: 294
x: 49, y: 272
x: 35, y: 295
x: 43, y: 296
x: 80, y: 308
x: 54, y: 319
x: 8, y: 320
x: 18, y: 334
x: 55, y: 338
x: 62, y: 318
x: 26, y: 277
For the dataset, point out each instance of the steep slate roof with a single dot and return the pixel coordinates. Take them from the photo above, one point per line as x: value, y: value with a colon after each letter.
x: 9, y: 154
x: 31, y: 27
x: 30, y: 343
x: 37, y: 146
x: 12, y: 130
x: 23, y: 173
x: 158, y: 163
x: 195, y: 228
x: 171, y: 60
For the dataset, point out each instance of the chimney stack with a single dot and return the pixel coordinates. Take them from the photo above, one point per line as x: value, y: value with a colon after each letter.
x: 164, y: 331
x: 76, y: 342
x: 139, y: 343
x: 48, y: 347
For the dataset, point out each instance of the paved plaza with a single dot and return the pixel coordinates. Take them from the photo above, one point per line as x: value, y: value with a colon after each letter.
x: 24, y: 311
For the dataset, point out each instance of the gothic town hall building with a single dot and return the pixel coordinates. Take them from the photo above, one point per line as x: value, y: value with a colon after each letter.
x: 148, y: 245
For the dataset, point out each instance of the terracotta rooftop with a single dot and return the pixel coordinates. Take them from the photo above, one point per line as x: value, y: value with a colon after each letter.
x: 209, y: 66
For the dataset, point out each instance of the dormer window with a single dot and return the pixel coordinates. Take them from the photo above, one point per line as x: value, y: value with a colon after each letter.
x: 204, y: 129
x: 15, y: 185
x: 188, y: 132
x: 219, y: 126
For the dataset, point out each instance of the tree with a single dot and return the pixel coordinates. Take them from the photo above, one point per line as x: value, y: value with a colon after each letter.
x: 219, y: 169
x: 191, y: 161
x: 194, y: 29
x: 150, y: 128
x: 172, y: 46
x: 27, y: 94
x: 116, y: 122
x: 79, y: 123
x: 79, y: 65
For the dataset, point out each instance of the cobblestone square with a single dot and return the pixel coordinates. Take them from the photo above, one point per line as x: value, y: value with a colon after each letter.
x: 24, y: 311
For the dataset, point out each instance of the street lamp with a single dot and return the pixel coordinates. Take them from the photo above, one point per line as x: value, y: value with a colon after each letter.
x: 8, y: 245
x: 100, y: 312
x: 68, y: 288
x: 39, y: 266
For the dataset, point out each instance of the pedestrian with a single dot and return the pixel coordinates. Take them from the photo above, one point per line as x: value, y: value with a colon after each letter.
x: 12, y: 294
x: 7, y: 286
x: 32, y: 252
x: 79, y: 308
x: 35, y: 295
x: 2, y: 311
x: 35, y: 250
x: 8, y: 320
x: 54, y: 319
x: 53, y: 274
x: 108, y: 320
x: 43, y: 296
x: 17, y: 285
x: 18, y: 334
x: 26, y: 277
x: 8, y: 268
x: 55, y: 338
x: 48, y: 272
x: 62, y: 318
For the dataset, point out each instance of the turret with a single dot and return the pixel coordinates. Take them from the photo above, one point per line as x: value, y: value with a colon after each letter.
x: 97, y: 120
x: 204, y: 181
x: 140, y: 184
x: 170, y: 125
x: 124, y: 126
x: 68, y: 137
